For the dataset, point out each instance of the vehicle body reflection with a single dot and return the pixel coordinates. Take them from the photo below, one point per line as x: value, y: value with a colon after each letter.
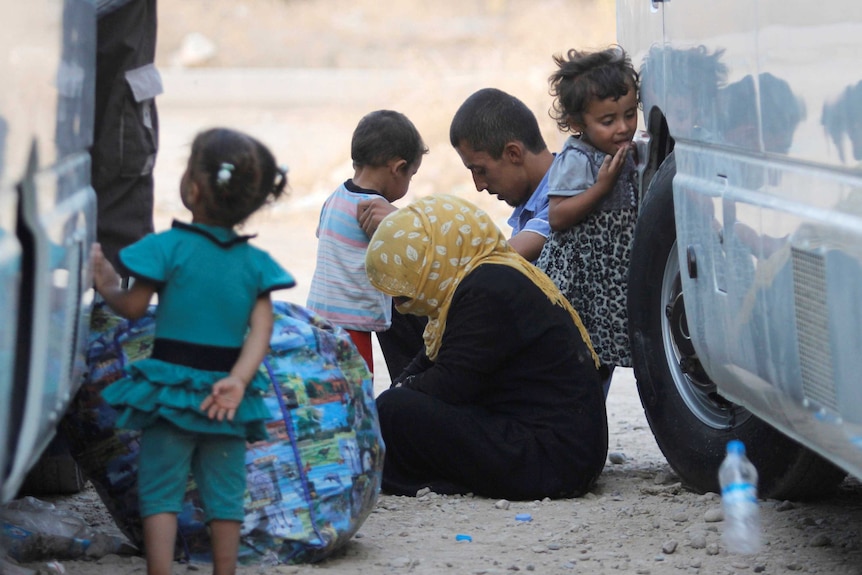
x: 755, y: 126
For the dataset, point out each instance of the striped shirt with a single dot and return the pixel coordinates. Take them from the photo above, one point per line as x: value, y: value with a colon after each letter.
x: 340, y: 290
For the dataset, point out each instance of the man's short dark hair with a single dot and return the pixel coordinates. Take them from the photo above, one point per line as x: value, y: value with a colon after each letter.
x: 490, y: 118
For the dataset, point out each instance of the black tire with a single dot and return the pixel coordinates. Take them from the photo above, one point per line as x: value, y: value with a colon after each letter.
x: 691, y: 422
x: 55, y: 473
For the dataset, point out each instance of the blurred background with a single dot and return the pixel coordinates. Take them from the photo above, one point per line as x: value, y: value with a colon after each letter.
x: 299, y: 74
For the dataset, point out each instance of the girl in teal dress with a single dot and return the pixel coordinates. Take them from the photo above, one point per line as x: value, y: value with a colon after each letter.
x: 198, y: 398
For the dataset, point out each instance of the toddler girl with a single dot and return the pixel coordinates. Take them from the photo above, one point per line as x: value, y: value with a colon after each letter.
x: 198, y: 398
x: 593, y: 196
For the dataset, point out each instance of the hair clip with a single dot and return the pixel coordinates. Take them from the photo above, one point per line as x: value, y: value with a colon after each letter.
x: 224, y: 173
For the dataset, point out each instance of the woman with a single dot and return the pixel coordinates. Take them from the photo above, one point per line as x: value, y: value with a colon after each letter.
x: 506, y: 400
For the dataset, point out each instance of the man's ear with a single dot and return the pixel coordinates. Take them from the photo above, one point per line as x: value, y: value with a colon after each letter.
x: 397, y: 165
x: 514, y: 152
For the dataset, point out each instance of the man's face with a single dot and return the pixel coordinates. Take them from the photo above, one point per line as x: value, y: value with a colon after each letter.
x: 503, y: 178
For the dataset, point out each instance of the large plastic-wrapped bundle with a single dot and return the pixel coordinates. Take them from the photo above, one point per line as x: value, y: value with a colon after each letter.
x: 310, y: 486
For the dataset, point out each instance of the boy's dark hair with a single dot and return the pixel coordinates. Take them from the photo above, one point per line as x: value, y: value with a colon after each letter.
x: 385, y: 135
x: 490, y: 118
x: 584, y: 76
x: 250, y: 177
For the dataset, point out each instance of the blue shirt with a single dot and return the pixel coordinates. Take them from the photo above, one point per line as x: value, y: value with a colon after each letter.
x: 532, y: 215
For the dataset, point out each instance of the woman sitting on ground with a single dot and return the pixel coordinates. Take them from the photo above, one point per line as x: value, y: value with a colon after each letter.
x: 506, y: 400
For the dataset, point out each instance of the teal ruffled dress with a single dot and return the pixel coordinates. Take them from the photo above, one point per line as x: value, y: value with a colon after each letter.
x: 156, y: 389
x: 208, y: 280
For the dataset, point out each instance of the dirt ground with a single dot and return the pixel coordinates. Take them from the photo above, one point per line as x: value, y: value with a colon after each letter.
x: 299, y: 74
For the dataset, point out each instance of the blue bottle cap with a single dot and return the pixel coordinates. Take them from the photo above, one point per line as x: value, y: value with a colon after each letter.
x: 736, y: 447
x: 523, y: 517
x: 463, y: 537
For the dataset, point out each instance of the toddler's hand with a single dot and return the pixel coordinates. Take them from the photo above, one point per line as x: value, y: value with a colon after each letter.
x: 611, y: 167
x: 105, y: 277
x: 225, y: 398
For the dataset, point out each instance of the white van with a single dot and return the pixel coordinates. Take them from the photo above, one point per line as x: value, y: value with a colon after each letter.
x: 745, y: 292
x: 47, y: 221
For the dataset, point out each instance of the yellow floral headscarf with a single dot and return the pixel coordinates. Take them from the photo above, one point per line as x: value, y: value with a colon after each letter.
x: 425, y: 249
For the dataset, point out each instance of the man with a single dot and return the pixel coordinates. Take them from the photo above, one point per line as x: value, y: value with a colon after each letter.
x: 126, y: 131
x: 498, y: 139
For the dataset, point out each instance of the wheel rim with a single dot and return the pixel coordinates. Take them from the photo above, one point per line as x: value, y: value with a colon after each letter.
x: 695, y: 388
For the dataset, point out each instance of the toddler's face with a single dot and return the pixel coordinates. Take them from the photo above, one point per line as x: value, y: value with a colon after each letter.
x: 609, y: 124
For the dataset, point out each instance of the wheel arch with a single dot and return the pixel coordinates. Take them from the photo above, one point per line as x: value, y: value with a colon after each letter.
x: 661, y: 145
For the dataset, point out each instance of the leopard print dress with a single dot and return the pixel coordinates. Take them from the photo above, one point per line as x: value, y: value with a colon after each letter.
x: 589, y: 262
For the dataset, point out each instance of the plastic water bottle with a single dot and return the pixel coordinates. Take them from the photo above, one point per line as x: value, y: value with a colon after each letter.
x: 738, y: 479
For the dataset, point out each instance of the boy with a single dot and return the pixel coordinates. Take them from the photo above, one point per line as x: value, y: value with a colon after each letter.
x: 387, y: 151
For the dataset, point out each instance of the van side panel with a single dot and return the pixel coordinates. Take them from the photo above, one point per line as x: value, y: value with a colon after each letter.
x: 764, y: 101
x: 47, y: 108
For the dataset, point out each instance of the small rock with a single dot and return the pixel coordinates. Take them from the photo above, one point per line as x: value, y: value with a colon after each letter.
x: 195, y: 50
x: 794, y: 567
x: 785, y: 506
x: 663, y: 478
x: 423, y: 491
x: 669, y: 547
x: 52, y: 568
x: 820, y: 540
x: 713, y: 515
x: 708, y: 497
x: 616, y: 457
x: 680, y: 517
x: 712, y: 549
x: 698, y: 542
x: 672, y: 489
x: 502, y: 504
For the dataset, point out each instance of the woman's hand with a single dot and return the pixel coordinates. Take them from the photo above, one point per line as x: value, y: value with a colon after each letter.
x: 225, y: 398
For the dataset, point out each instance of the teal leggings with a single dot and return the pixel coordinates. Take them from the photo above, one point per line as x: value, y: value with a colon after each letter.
x: 217, y: 462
